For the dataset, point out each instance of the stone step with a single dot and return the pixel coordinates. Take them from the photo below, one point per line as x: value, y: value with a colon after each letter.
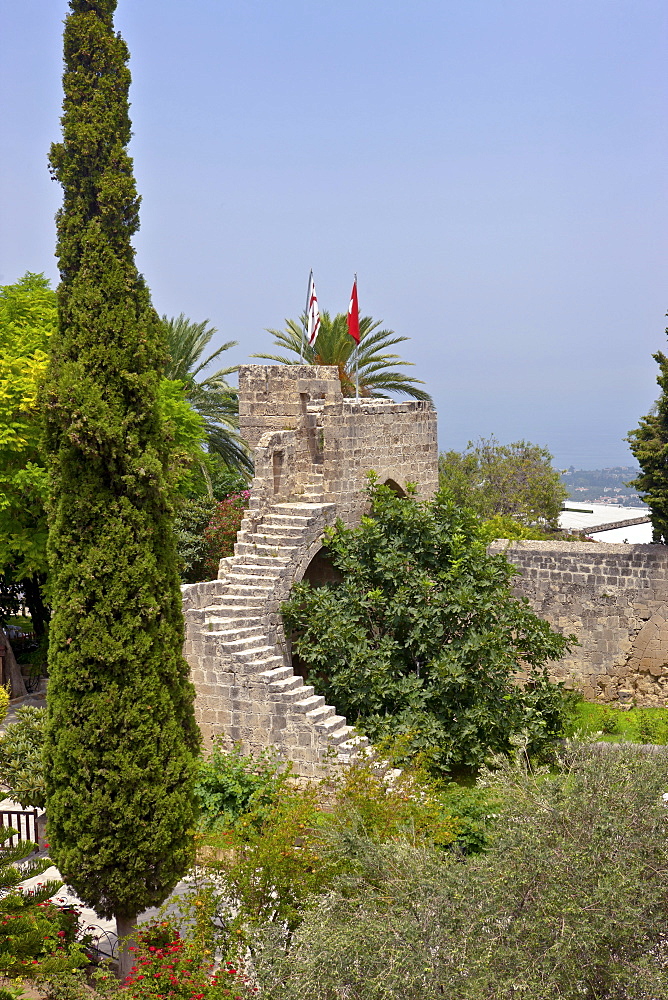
x: 227, y: 619
x: 286, y: 531
x: 340, y: 736
x: 262, y: 667
x: 251, y: 644
x: 276, y: 563
x: 277, y: 674
x: 254, y: 652
x: 244, y: 620
x: 256, y: 549
x: 352, y: 749
x: 277, y: 539
x: 255, y: 600
x: 320, y: 714
x: 288, y: 520
x: 312, y: 701
x: 288, y: 684
x: 301, y: 507
x: 235, y: 632
x: 331, y: 723
x: 251, y: 571
x: 249, y: 590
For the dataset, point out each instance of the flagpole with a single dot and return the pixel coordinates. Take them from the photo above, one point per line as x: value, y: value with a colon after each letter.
x: 357, y: 354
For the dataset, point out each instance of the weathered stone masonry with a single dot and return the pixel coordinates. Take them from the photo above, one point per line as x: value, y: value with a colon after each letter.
x: 312, y: 450
x: 613, y: 598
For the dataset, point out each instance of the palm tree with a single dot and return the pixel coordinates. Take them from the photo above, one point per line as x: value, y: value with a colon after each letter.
x: 335, y: 346
x: 211, y: 397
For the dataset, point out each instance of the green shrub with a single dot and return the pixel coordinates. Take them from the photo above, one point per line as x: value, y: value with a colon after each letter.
x: 4, y: 702
x: 568, y: 901
x: 649, y: 728
x: 608, y: 721
x: 191, y: 519
x: 231, y: 785
x: 36, y: 936
x: 21, y: 747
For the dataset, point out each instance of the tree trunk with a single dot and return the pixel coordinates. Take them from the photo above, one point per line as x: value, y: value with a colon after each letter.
x: 13, y: 673
x: 125, y: 928
x: 32, y: 588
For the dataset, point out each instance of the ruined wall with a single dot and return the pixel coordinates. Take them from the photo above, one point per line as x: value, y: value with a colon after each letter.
x: 312, y: 450
x: 613, y: 598
x: 298, y: 423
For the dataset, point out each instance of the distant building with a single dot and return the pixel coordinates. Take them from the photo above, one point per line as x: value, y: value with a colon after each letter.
x: 607, y: 522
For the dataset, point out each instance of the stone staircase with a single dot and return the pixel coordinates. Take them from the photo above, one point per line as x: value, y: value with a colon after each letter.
x: 253, y: 694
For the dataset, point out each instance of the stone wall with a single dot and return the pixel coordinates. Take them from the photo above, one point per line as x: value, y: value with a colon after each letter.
x: 312, y: 451
x: 613, y: 598
x: 297, y: 422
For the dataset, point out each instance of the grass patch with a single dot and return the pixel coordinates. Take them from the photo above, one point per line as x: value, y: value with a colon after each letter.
x: 636, y: 725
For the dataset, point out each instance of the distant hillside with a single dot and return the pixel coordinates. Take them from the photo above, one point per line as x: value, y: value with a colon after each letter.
x: 603, y: 485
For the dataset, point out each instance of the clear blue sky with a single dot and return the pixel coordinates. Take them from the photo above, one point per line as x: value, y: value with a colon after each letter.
x: 494, y: 170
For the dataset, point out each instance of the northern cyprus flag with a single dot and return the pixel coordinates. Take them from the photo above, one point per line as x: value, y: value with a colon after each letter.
x: 312, y: 313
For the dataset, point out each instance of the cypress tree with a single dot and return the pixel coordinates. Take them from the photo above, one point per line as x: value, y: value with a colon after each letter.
x: 649, y: 444
x: 121, y: 737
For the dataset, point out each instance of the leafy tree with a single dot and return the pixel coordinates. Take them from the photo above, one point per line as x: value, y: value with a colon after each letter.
x: 423, y: 636
x: 121, y: 736
x: 28, y: 318
x: 515, y: 480
x: 649, y: 445
x: 334, y: 346
x: 211, y: 397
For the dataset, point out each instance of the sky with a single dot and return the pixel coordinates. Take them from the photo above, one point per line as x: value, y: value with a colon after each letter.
x: 493, y: 170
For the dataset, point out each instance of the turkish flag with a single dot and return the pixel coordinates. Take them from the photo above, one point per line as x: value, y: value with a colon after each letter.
x: 354, y: 315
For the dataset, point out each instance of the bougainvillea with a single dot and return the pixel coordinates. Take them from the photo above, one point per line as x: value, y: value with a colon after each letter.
x: 221, y: 533
x: 167, y: 966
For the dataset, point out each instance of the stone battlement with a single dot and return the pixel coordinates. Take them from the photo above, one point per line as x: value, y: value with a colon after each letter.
x: 298, y: 423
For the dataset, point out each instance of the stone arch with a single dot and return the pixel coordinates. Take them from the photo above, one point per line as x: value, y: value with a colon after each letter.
x: 393, y: 478
x: 395, y: 487
x: 317, y: 568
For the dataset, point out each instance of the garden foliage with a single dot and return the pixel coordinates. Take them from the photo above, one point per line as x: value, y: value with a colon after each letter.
x: 567, y: 902
x: 121, y: 737
x: 222, y: 530
x: 37, y: 937
x: 423, y: 637
x: 21, y: 749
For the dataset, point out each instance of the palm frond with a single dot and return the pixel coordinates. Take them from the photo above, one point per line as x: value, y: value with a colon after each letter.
x: 211, y: 397
x: 334, y: 346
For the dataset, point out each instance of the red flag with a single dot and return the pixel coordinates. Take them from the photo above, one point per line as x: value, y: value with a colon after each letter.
x: 354, y: 315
